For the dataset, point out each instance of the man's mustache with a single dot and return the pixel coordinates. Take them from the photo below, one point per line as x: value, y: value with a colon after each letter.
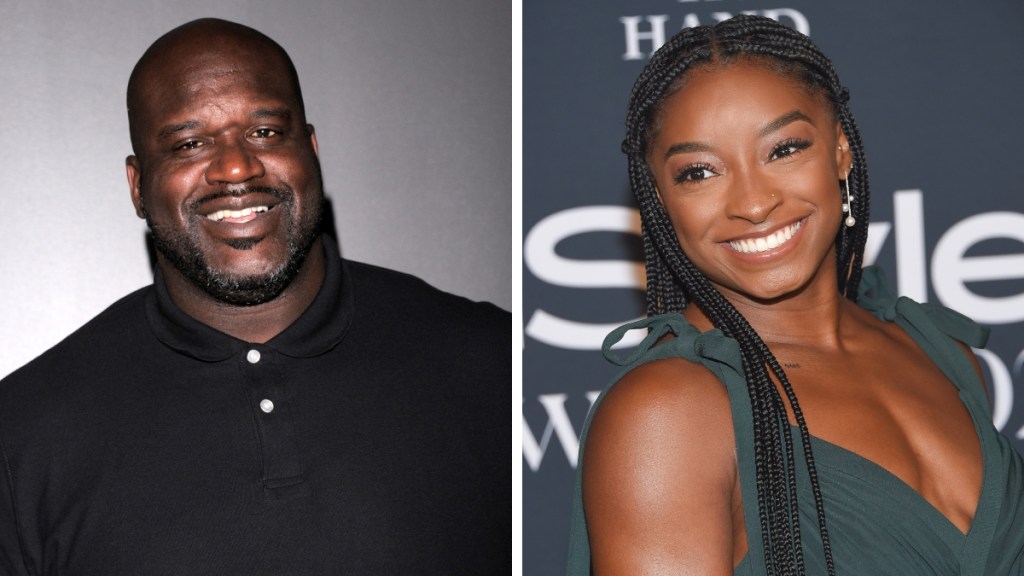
x: 282, y: 194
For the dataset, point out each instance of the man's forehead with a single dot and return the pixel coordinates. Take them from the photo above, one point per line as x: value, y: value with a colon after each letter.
x: 209, y: 74
x: 213, y: 59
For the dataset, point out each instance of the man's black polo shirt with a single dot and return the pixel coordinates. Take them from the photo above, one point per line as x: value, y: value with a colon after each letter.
x: 370, y: 437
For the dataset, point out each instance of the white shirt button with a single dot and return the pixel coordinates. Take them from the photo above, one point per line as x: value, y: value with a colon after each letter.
x: 253, y: 356
x: 266, y: 405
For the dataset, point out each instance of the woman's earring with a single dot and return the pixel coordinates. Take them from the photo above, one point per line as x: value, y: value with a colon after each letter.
x: 848, y: 204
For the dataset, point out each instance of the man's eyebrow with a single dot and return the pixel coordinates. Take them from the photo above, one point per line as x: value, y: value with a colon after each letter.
x: 172, y: 129
x: 781, y: 121
x: 258, y: 114
x: 263, y: 113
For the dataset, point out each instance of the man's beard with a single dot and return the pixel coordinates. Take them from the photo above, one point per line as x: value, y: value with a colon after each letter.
x: 182, y: 249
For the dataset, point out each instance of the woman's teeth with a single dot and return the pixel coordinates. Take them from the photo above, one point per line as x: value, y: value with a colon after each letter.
x: 755, y: 245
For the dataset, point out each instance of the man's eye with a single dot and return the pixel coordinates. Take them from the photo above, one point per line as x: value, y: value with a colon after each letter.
x: 190, y: 145
x: 265, y: 133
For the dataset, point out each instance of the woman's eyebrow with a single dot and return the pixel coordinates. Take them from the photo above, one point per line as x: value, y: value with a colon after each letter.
x: 781, y: 121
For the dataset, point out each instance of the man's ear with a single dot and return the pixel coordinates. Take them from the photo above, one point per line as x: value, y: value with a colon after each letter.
x: 131, y: 166
x: 312, y: 139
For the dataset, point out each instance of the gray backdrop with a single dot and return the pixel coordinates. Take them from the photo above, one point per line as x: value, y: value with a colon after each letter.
x: 936, y: 88
x: 412, y: 102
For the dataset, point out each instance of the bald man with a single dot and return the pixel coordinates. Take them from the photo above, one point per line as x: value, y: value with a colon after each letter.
x: 265, y: 407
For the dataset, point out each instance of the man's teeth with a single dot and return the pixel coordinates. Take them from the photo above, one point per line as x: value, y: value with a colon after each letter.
x: 755, y: 245
x: 234, y: 214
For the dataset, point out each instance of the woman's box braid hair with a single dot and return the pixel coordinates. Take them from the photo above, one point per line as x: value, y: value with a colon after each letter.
x: 673, y: 281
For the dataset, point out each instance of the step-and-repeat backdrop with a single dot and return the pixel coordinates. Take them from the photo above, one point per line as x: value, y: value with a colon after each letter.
x: 938, y: 91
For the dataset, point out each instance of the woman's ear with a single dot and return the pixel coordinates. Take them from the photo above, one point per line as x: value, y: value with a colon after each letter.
x: 844, y: 158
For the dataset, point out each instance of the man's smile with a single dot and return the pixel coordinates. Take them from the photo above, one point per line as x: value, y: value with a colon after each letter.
x: 237, y: 216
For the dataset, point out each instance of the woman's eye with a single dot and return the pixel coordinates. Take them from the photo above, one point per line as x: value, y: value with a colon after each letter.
x: 788, y: 148
x: 694, y: 174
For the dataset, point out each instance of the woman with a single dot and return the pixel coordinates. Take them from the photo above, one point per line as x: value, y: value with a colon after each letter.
x: 784, y: 415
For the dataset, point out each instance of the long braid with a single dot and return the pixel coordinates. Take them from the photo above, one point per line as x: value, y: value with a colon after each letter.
x: 673, y: 280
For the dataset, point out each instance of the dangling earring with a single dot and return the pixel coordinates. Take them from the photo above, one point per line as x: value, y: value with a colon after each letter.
x: 848, y: 204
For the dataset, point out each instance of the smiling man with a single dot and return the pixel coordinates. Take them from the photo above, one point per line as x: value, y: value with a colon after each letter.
x: 265, y: 407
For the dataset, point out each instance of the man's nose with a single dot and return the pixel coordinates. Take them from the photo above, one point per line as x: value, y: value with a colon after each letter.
x: 234, y: 163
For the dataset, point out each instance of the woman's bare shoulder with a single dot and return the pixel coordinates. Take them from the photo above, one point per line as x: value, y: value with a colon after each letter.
x: 670, y: 391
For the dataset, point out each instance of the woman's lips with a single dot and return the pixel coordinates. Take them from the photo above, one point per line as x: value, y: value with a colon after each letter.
x: 766, y: 243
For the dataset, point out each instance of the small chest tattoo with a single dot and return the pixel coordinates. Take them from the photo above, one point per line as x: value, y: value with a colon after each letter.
x: 790, y: 364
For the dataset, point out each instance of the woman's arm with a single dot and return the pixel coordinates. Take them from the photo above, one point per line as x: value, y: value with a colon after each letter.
x: 660, y: 483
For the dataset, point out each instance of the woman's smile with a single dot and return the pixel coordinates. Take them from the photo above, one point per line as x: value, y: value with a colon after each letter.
x: 766, y: 243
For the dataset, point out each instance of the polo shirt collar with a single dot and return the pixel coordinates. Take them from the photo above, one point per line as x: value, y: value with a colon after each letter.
x: 321, y: 327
